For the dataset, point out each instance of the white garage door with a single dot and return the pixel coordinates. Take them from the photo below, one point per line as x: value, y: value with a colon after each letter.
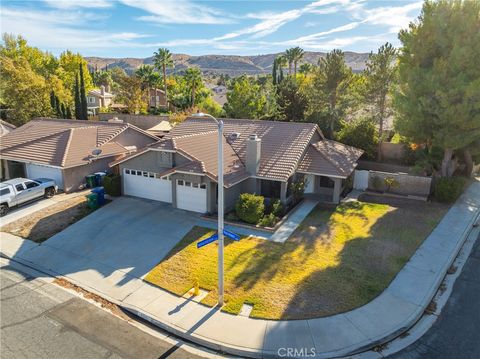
x: 38, y: 171
x: 192, y: 196
x: 147, y: 185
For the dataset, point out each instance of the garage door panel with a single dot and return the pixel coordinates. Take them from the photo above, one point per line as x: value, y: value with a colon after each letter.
x: 191, y: 196
x: 147, y: 185
x: 38, y: 171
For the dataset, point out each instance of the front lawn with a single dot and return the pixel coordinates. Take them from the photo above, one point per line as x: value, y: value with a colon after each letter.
x: 338, y: 259
x: 43, y: 224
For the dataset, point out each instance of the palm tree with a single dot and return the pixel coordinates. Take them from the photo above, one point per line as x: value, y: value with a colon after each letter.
x: 193, y: 76
x: 297, y: 54
x: 149, y: 79
x: 163, y: 60
x: 289, y: 56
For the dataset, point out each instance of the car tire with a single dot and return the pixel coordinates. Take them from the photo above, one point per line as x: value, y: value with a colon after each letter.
x: 49, y: 192
x: 4, y: 209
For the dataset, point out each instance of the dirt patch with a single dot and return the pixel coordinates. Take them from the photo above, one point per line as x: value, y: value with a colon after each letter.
x: 115, y: 309
x: 43, y: 224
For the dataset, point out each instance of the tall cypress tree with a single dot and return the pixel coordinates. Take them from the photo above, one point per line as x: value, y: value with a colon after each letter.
x: 52, y: 100
x: 69, y: 113
x: 274, y: 72
x: 63, y: 110
x: 58, y: 108
x: 83, y: 96
x: 78, y: 110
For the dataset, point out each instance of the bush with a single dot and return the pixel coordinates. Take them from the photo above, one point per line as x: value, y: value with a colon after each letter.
x: 361, y: 134
x: 297, y: 188
x: 277, y: 208
x: 250, y: 208
x: 376, y: 183
x: 112, y: 185
x: 448, y: 189
x: 390, y: 182
x: 269, y: 220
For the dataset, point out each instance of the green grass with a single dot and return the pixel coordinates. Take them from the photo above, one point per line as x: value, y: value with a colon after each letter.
x: 338, y: 259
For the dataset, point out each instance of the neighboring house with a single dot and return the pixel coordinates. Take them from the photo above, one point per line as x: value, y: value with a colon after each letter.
x: 153, y: 124
x: 64, y: 149
x: 262, y: 157
x: 97, y: 99
x: 156, y: 98
x: 220, y: 89
x: 6, y: 127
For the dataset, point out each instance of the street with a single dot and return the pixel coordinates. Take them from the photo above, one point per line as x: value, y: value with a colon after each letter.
x: 41, y: 320
x: 456, y: 333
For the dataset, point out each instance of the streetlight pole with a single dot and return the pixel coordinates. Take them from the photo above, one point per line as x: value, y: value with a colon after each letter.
x: 220, y: 208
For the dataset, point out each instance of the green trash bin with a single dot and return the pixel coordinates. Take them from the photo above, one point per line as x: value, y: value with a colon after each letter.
x: 91, y: 181
x: 92, y: 200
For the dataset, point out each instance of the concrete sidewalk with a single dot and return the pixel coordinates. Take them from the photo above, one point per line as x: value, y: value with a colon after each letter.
x: 387, y: 316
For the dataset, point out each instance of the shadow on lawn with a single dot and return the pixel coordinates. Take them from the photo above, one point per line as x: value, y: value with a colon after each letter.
x: 366, y: 265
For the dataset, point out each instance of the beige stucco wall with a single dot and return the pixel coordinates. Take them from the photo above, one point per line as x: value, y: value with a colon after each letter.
x: 74, y: 178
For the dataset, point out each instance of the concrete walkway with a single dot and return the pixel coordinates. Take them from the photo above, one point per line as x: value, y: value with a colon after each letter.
x: 387, y: 316
x: 293, y: 221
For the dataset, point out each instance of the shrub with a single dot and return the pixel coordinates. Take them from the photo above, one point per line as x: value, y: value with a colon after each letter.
x: 277, y: 208
x: 390, y: 182
x: 297, y: 188
x: 448, y: 189
x: 250, y: 208
x: 269, y: 220
x: 112, y: 185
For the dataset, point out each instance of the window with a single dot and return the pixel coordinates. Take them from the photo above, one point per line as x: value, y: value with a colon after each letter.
x: 139, y: 173
x: 91, y: 99
x: 188, y: 184
x: 4, y: 191
x: 145, y: 174
x: 151, y: 175
x: 127, y: 172
x: 19, y: 187
x: 203, y: 186
x: 31, y: 184
x: 180, y: 182
x: 195, y: 185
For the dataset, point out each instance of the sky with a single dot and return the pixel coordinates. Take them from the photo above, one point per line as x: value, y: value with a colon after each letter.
x: 137, y: 28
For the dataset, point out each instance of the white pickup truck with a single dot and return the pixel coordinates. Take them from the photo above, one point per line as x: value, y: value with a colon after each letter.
x: 21, y: 190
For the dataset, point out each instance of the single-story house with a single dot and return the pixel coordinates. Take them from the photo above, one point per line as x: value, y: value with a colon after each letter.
x: 262, y: 157
x: 156, y: 98
x: 67, y: 150
x: 97, y: 99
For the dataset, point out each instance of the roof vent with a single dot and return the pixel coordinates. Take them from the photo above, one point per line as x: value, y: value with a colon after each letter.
x: 253, y: 136
x: 233, y: 136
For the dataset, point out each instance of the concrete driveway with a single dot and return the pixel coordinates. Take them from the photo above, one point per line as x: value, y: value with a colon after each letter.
x: 115, y: 244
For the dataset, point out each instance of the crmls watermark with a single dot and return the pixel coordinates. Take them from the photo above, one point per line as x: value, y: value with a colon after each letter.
x: 296, y: 352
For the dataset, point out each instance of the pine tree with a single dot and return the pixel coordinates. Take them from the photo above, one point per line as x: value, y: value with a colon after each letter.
x: 83, y: 96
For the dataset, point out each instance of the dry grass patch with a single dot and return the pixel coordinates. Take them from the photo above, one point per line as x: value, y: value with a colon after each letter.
x: 338, y: 259
x: 43, y: 224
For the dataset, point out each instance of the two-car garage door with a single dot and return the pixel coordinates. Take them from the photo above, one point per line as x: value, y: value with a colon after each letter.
x: 191, y: 196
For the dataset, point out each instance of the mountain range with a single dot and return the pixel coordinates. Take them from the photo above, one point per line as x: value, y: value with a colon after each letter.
x: 232, y: 65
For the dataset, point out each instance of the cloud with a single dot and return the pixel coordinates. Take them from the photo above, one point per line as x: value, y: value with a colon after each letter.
x: 71, y: 4
x: 61, y: 30
x: 178, y: 12
x: 394, y: 17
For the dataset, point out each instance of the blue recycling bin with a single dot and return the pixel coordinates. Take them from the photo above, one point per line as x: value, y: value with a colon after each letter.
x: 100, y: 192
x: 99, y: 178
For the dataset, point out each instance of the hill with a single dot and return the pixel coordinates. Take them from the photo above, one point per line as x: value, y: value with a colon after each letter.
x: 223, y: 64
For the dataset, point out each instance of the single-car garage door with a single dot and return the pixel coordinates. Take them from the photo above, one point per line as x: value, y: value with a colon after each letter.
x: 38, y: 171
x: 192, y: 196
x: 147, y: 185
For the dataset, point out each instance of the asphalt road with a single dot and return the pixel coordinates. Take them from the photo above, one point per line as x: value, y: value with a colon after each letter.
x: 456, y: 333
x: 41, y: 320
